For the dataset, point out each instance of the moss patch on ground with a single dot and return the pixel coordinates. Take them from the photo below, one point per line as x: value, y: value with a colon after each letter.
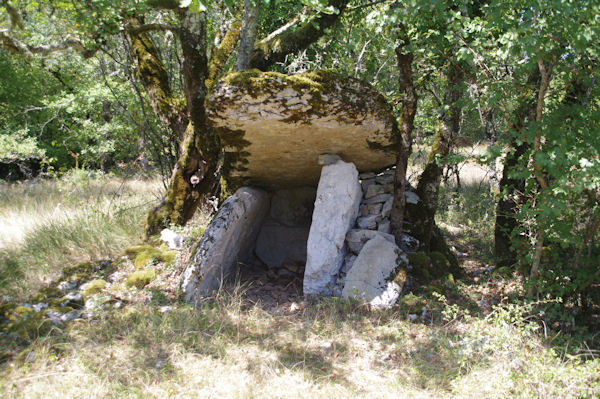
x: 145, y: 254
x: 140, y: 278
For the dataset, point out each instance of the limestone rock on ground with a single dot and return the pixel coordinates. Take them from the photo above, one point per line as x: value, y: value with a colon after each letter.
x: 371, y: 277
x: 228, y: 239
x: 274, y: 127
x: 336, y: 208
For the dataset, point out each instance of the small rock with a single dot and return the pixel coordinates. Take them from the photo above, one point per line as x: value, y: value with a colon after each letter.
x: 368, y: 222
x: 66, y: 286
x: 386, y: 209
x: 72, y: 297
x: 366, y: 175
x: 411, y: 197
x: 165, y: 309
x: 54, y: 317
x: 409, y: 244
x: 173, y: 240
x: 412, y: 317
x: 356, y: 239
x: 385, y: 178
x: 75, y: 314
x: 380, y: 198
x: 384, y: 226
x: 40, y: 306
x: 326, y: 345
x: 365, y: 184
x: 294, y: 307
x: 374, y: 190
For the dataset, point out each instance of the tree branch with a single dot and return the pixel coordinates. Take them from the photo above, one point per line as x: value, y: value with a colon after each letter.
x: 12, y: 44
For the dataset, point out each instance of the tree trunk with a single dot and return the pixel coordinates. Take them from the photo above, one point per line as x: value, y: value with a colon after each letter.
x: 294, y: 37
x: 429, y: 181
x: 248, y: 35
x: 409, y: 109
x: 196, y: 175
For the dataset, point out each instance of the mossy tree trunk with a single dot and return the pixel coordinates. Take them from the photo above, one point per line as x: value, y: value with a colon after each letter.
x: 196, y: 175
x: 404, y: 60
x: 429, y: 181
x: 296, y: 36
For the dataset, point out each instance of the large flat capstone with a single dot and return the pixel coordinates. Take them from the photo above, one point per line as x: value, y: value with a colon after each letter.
x: 336, y: 208
x: 273, y: 126
x: 228, y: 239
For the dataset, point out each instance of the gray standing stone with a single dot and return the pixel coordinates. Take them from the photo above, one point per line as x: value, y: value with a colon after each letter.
x: 336, y: 209
x: 228, y: 239
x: 371, y: 276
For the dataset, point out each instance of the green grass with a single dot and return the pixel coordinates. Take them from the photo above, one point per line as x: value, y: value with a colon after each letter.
x: 50, y: 224
x: 226, y: 347
x: 327, y: 348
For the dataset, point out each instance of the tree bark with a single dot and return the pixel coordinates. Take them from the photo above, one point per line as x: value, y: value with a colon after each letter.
x: 404, y: 60
x: 429, y: 181
x: 294, y: 37
x: 196, y: 175
x: 248, y: 35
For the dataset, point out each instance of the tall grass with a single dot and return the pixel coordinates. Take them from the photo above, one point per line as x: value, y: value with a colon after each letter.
x: 49, y: 224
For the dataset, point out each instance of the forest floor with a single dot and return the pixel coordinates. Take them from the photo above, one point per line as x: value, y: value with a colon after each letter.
x: 259, y: 337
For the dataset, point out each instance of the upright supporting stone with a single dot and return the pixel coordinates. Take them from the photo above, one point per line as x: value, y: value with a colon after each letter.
x: 228, y: 239
x: 336, y: 209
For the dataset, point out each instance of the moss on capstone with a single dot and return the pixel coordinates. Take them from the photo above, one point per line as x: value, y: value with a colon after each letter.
x: 140, y: 278
x: 94, y: 287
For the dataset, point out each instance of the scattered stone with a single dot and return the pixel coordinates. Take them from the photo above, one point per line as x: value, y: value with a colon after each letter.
x: 228, y: 239
x: 173, y: 240
x: 72, y: 298
x: 373, y: 190
x: 40, y: 306
x: 165, y: 309
x: 66, y: 286
x: 372, y: 276
x: 72, y: 315
x: 371, y: 209
x: 336, y: 208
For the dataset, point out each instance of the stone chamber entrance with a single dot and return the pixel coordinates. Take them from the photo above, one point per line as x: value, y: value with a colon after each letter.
x: 273, y: 272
